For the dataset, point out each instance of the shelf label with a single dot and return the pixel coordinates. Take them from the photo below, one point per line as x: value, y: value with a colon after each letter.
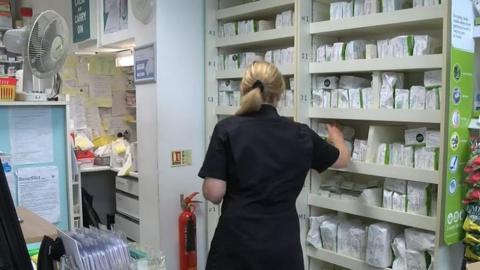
x: 460, y: 107
x: 81, y: 20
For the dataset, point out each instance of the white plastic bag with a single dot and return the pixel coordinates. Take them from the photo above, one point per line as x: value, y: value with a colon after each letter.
x: 355, y: 98
x: 328, y: 230
x: 402, y: 99
x: 400, y: 251
x: 330, y: 82
x: 359, y: 150
x: 419, y: 240
x: 416, y: 260
x: 313, y: 236
x: 348, y: 82
x: 432, y: 78
x: 417, y: 98
x: 343, y: 99
x: 355, y: 50
x: 379, y: 250
x: 417, y: 194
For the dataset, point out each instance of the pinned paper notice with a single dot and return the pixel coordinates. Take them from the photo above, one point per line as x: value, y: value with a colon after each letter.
x: 38, y: 191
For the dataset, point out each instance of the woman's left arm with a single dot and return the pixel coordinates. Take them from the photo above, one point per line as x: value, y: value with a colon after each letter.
x: 214, y: 189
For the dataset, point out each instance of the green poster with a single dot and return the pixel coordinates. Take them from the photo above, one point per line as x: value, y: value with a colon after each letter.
x: 460, y: 107
x: 81, y: 20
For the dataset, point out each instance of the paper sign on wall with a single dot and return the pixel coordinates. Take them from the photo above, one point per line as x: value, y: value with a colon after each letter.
x: 181, y: 158
x: 31, y: 135
x: 81, y: 20
x: 38, y: 191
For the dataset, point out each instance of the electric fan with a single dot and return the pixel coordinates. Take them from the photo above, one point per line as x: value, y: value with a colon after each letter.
x: 44, y: 45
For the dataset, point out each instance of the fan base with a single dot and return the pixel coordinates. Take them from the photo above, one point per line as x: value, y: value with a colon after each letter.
x: 31, y: 97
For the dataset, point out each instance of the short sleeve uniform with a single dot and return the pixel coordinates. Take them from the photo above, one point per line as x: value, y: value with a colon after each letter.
x: 264, y: 159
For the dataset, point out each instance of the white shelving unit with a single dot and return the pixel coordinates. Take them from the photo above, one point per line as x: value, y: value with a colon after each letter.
x: 312, y: 28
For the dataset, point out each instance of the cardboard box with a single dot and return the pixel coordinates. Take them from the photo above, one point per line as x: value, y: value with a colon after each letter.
x: 473, y: 266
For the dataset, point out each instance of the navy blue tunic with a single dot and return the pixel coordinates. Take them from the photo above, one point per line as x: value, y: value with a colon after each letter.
x: 264, y: 158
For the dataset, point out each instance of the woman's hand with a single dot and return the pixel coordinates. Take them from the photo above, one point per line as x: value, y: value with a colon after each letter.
x: 335, y: 134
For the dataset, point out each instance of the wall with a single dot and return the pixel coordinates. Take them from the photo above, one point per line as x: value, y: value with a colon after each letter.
x: 180, y: 101
x: 170, y: 116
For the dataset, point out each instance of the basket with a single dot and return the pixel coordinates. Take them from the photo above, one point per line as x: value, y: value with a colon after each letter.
x: 7, y: 89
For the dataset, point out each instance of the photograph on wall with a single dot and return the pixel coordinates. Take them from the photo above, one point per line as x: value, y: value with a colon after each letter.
x: 115, y: 15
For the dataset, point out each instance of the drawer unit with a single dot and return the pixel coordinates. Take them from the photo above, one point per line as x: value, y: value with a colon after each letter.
x: 128, y: 226
x: 127, y: 184
x: 128, y: 205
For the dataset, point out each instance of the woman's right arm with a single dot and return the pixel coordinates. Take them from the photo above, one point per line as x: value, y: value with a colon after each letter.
x: 335, y: 135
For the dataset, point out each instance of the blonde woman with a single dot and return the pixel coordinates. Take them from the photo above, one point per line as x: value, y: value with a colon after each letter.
x: 256, y: 164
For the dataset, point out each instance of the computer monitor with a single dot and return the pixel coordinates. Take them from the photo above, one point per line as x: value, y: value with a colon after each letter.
x: 13, y: 249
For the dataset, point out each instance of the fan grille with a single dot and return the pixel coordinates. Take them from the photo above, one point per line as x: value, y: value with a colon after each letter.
x: 48, y: 44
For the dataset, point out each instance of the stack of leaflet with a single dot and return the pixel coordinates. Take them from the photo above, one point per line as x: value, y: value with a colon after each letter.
x: 285, y: 19
x: 93, y: 249
x: 400, y: 46
x: 280, y: 56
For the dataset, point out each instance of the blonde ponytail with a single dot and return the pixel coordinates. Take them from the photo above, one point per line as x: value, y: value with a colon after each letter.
x: 251, y: 102
x: 253, y: 96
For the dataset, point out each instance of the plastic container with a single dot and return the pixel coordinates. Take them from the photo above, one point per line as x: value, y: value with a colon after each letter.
x: 27, y: 14
x: 7, y: 89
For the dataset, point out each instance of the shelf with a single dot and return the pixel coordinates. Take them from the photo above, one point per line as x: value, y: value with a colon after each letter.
x: 95, y: 169
x: 286, y: 70
x: 230, y: 110
x: 10, y: 62
x: 404, y: 173
x: 252, y: 10
x: 131, y: 174
x: 425, y: 62
x: 263, y: 38
x: 33, y: 103
x: 355, y: 208
x: 409, y: 116
x: 422, y: 18
x: 337, y: 259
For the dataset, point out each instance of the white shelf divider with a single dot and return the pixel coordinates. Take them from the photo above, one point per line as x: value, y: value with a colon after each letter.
x: 254, y: 9
x: 263, y: 38
x: 408, y: 116
x: 338, y: 259
x: 405, y: 173
x: 286, y: 70
x: 425, y: 62
x: 401, y: 20
x: 355, y: 208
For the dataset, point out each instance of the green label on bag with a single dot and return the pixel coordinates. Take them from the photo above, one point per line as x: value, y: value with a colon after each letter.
x: 460, y: 104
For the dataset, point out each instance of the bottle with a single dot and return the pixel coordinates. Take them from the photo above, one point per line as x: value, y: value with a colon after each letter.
x: 27, y: 14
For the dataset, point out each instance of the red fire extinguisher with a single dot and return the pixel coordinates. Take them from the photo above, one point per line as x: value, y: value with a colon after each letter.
x: 187, y: 233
